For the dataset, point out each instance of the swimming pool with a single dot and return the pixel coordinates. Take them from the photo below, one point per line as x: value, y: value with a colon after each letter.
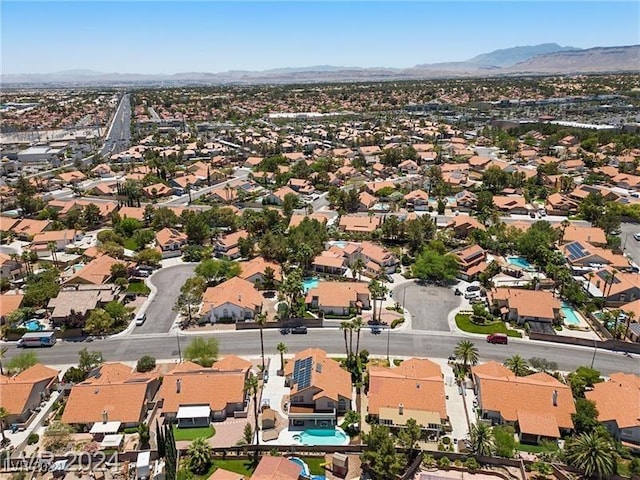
x: 520, y: 262
x: 309, y: 283
x: 33, y: 325
x: 340, y: 244
x: 570, y: 316
x: 322, y: 436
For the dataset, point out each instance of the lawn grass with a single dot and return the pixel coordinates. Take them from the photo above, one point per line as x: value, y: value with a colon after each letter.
x: 315, y: 465
x: 241, y: 466
x: 138, y: 288
x: 523, y: 447
x: 190, y: 434
x: 464, y: 323
x: 130, y: 244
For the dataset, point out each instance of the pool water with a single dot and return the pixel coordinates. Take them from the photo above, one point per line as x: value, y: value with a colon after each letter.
x: 340, y: 244
x: 322, y: 436
x: 33, y: 325
x: 520, y: 262
x: 570, y: 317
x: 309, y: 283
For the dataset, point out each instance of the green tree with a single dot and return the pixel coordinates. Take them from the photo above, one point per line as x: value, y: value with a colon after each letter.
x: 118, y: 270
x: 467, y: 353
x: 289, y: 203
x: 146, y: 363
x: 517, y: 365
x: 118, y: 312
x: 252, y: 386
x: 89, y: 359
x: 504, y: 441
x: 593, y: 453
x: 582, y: 378
x: 21, y: 362
x: 200, y: 457
x: 99, y: 322
x: 148, y: 256
x: 203, y: 351
x: 585, y: 420
x: 3, y: 416
x: 91, y: 215
x: 410, y: 435
x: 128, y: 226
x: 380, y: 459
x: 282, y: 349
x: 481, y: 441
x: 188, y: 302
x: 433, y: 265
x: 542, y: 365
x: 143, y: 436
x: 269, y: 278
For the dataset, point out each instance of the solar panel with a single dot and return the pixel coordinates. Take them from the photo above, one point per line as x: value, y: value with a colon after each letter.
x: 302, y: 372
x: 576, y: 251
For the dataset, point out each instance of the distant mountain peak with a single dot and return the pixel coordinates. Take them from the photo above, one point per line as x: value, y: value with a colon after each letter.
x: 508, y: 57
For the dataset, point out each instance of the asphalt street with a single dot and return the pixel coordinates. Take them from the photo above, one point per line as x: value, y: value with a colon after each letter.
x: 401, y: 343
x: 630, y: 245
x: 160, y: 313
x: 428, y: 305
x: 119, y: 134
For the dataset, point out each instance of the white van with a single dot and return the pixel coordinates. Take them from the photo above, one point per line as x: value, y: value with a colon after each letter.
x: 140, y: 318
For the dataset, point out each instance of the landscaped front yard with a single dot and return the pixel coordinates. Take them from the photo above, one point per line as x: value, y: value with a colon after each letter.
x: 190, y: 434
x: 139, y: 288
x: 464, y: 323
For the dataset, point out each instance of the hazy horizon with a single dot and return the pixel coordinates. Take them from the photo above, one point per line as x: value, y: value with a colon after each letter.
x: 166, y: 37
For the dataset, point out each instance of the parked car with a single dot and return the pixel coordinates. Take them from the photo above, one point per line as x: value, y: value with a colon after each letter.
x: 140, y: 319
x: 636, y: 236
x: 457, y: 292
x: 497, y: 338
x: 532, y: 214
x: 300, y: 330
x: 376, y: 330
x: 285, y: 331
x: 472, y: 294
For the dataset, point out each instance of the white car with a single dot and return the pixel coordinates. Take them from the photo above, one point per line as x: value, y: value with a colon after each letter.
x: 637, y: 236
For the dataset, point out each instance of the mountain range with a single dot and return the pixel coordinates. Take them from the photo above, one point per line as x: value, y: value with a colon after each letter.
x: 547, y: 58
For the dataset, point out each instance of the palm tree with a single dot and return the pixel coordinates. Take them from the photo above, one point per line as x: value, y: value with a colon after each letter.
x: 358, y: 267
x: 199, y: 456
x: 563, y: 227
x: 346, y: 326
x: 53, y: 248
x: 630, y: 317
x: 481, y: 441
x: 3, y: 415
x: 593, y: 453
x: 517, y: 365
x: 261, y: 319
x: 3, y: 352
x: 282, y: 349
x: 251, y: 387
x: 467, y: 352
x: 356, y: 324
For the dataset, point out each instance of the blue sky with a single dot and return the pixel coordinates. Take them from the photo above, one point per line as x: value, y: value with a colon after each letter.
x: 169, y: 37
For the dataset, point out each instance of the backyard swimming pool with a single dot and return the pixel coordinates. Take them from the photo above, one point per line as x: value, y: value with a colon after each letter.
x: 570, y: 316
x: 520, y: 262
x: 320, y: 436
x: 305, y: 469
x: 33, y: 325
x: 309, y: 283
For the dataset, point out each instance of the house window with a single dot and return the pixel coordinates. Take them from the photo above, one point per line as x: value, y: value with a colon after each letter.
x: 225, y: 312
x: 342, y: 404
x: 331, y: 404
x: 298, y: 423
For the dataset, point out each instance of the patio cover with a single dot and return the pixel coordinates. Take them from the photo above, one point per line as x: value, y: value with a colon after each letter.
x: 105, y: 427
x: 194, y: 411
x: 112, y: 441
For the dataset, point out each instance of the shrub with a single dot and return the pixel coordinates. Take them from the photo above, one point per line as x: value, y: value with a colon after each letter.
x: 397, y: 362
x: 444, y: 463
x: 446, y: 440
x: 146, y: 364
x: 397, y: 321
x: 33, y: 438
x: 471, y: 464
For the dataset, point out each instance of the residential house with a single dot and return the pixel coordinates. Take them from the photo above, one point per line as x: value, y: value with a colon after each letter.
x: 375, y: 187
x: 170, y: 242
x: 465, y: 200
x: 227, y: 246
x: 520, y: 305
x: 511, y: 204
x: 8, y: 265
x: 96, y: 272
x: 226, y: 194
x: 616, y: 288
x: 583, y: 255
x: 297, y: 218
x: 417, y: 200
x: 415, y: 389
x: 277, y: 197
x: 463, y: 225
x: 359, y: 223
x: 330, y: 262
x: 157, y: 190
x: 27, y: 228
x: 559, y: 204
x: 105, y: 209
x: 254, y: 270
x: 183, y: 184
x: 472, y: 260
x: 409, y: 167
x: 538, y: 406
x: 338, y: 298
x: 72, y: 178
x: 7, y: 224
x: 303, y: 187
x: 194, y: 396
x: 376, y: 258
x: 584, y: 235
x: 320, y: 390
x: 113, y: 392
x: 235, y: 300
x: 366, y: 201
x: 22, y: 394
x: 58, y: 239
x: 71, y: 307
x: 618, y: 404
x: 132, y: 212
x: 582, y: 191
x: 275, y: 468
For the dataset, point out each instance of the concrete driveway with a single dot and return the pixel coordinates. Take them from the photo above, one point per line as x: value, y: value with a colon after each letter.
x: 160, y: 313
x: 428, y: 305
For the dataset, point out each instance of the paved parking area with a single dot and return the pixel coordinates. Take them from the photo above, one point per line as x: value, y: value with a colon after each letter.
x: 630, y: 244
x: 429, y: 305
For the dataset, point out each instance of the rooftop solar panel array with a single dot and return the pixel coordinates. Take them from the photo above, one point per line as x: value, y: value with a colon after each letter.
x: 576, y: 251
x: 302, y: 372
